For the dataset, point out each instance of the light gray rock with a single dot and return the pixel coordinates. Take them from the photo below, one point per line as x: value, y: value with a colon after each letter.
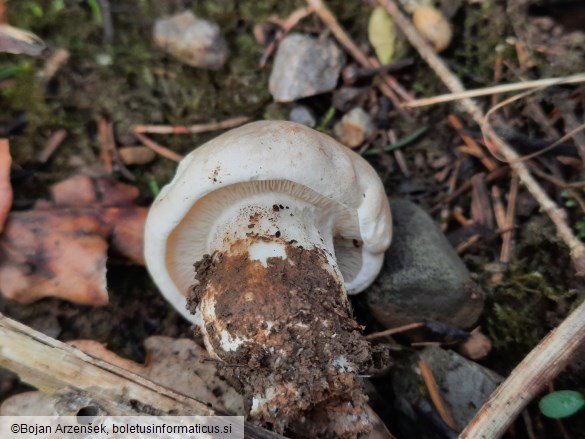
x: 304, y: 66
x: 192, y: 40
x: 301, y: 114
x: 422, y: 276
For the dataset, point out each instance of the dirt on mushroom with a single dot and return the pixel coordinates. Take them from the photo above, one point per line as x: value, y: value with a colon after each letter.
x: 303, y: 338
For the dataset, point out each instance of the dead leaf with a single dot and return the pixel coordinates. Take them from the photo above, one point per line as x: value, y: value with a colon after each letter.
x: 5, y: 186
x: 59, y: 253
x: 178, y: 364
x: 382, y: 35
x: 59, y: 248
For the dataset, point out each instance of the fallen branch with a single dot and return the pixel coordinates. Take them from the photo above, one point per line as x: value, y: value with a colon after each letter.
x: 555, y: 213
x: 62, y: 371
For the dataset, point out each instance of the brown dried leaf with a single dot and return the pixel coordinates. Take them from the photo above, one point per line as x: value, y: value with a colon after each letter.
x: 56, y: 253
x: 59, y: 248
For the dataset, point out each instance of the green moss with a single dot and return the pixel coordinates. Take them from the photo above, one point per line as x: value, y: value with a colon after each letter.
x: 535, y: 295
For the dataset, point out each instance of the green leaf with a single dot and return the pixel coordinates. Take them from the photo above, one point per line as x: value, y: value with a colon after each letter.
x: 561, y: 404
x: 382, y: 35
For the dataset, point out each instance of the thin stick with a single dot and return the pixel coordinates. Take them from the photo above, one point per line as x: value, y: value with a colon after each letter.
x: 555, y: 213
x: 492, y: 176
x: 504, y: 88
x: 539, y: 367
x: 507, y: 246
x: 193, y: 129
x: 472, y: 144
x: 62, y: 371
x: 53, y: 143
x: 159, y: 149
x: 431, y: 383
x: 397, y: 330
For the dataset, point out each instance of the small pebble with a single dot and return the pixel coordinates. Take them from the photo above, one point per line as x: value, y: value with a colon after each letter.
x: 433, y: 25
x: 354, y: 128
x: 304, y: 66
x: 192, y: 40
x: 301, y: 114
x: 136, y: 155
x: 476, y: 347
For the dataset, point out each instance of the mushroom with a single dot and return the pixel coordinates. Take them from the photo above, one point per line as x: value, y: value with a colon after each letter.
x: 280, y: 222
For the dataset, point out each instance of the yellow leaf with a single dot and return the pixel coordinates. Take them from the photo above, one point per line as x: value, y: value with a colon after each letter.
x: 381, y: 34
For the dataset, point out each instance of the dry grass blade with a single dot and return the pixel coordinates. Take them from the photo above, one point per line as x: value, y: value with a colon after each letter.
x: 504, y: 88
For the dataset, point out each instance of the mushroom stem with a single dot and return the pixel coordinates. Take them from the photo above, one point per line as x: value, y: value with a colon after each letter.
x: 271, y: 304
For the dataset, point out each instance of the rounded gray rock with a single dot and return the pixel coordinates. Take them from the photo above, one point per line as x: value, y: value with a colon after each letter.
x: 422, y: 276
x: 304, y: 66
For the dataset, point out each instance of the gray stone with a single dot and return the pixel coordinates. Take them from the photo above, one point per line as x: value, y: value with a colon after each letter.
x: 422, y: 276
x: 304, y: 66
x: 301, y: 114
x: 463, y: 385
x: 192, y: 40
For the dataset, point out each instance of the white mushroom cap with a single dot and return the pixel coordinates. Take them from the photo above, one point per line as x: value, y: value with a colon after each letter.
x: 274, y: 156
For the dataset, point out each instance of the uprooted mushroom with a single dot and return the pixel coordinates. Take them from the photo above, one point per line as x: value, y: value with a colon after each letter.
x: 280, y: 222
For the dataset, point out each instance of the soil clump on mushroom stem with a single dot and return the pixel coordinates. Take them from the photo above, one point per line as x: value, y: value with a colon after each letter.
x: 299, y: 349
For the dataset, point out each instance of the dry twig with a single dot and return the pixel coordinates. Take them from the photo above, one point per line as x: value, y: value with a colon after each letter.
x: 433, y: 389
x: 457, y: 95
x: 159, y: 149
x: 193, y: 129
x: 507, y: 245
x: 49, y: 365
x: 392, y: 331
x: 53, y: 143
